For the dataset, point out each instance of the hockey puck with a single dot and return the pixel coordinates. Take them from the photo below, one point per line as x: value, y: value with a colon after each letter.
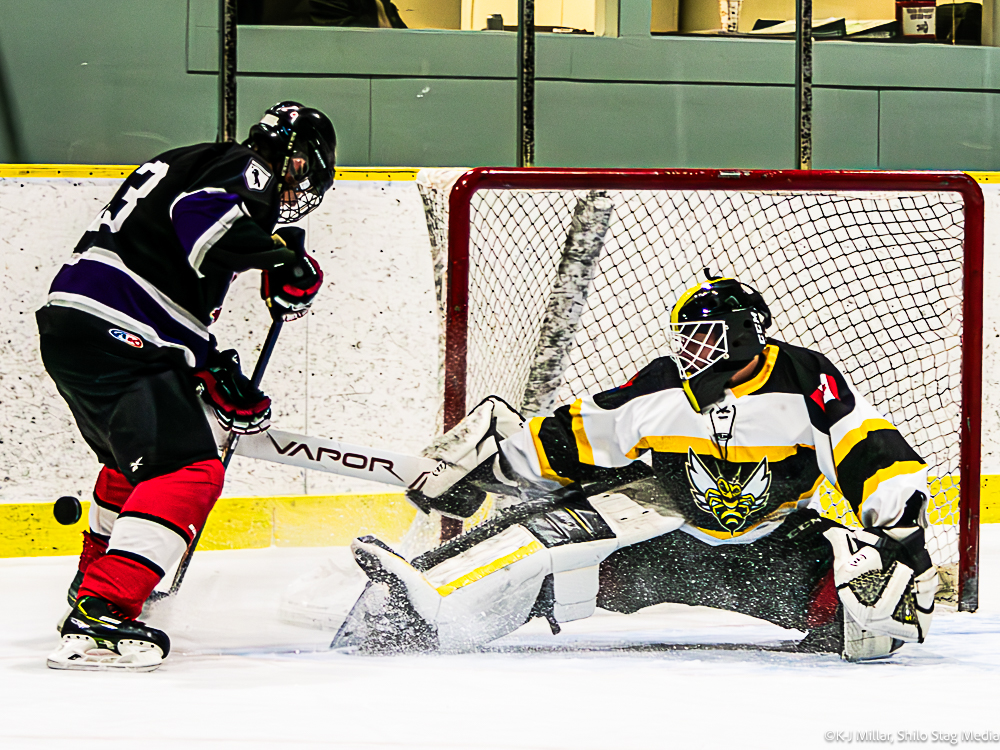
x: 67, y: 510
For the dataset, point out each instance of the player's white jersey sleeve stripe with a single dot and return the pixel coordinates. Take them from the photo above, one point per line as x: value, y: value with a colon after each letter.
x: 175, y: 311
x: 140, y: 536
x: 213, y: 235
x: 888, y: 490
x: 863, y: 418
x: 204, y: 237
x: 605, y: 437
x: 87, y: 305
x: 519, y: 450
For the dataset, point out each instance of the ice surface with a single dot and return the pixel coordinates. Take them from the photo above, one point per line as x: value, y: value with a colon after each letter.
x: 667, y: 677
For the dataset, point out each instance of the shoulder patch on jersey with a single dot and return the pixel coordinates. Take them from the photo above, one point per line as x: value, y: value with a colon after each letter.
x: 826, y: 392
x: 255, y: 176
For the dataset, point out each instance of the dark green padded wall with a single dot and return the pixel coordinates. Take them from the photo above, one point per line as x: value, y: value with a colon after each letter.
x: 440, y: 98
x: 102, y: 81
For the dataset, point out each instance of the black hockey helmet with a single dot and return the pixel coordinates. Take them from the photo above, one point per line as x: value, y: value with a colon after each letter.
x: 716, y: 329
x: 300, y: 144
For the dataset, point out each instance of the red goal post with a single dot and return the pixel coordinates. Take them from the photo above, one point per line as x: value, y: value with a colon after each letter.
x: 882, y: 271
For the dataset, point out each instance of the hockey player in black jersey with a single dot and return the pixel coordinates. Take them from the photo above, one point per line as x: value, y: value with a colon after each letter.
x: 693, y: 483
x: 124, y: 335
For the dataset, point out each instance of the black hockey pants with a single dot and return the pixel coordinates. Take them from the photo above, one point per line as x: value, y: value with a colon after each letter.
x: 142, y: 418
x: 774, y: 578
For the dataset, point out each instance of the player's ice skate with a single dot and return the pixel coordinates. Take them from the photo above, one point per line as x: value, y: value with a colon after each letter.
x: 96, y: 637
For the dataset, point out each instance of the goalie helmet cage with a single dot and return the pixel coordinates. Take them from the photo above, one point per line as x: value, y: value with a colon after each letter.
x: 882, y: 271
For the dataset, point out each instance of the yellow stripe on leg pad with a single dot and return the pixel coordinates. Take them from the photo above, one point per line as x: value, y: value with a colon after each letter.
x: 485, y: 570
x: 510, y: 545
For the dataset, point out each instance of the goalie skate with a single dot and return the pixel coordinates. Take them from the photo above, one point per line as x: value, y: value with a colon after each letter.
x: 95, y: 637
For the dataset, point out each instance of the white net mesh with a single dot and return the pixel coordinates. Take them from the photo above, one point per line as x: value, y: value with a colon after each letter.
x: 873, y: 280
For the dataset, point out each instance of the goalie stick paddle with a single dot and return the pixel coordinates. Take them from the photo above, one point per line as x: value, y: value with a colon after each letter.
x: 227, y: 453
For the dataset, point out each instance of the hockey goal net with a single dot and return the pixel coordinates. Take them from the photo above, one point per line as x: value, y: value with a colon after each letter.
x: 556, y: 283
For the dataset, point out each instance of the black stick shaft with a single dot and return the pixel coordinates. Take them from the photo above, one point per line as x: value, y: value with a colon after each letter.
x: 230, y: 447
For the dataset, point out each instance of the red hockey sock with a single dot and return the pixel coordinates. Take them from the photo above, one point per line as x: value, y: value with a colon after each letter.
x: 159, y: 520
x: 94, y: 547
x: 823, y: 602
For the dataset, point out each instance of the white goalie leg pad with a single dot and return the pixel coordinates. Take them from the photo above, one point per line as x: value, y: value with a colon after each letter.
x: 489, y: 590
x: 866, y: 645
x: 632, y: 522
x: 925, y: 588
x: 575, y: 593
x: 576, y: 567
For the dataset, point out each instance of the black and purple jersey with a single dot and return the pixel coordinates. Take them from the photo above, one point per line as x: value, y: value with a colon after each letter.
x: 153, y: 268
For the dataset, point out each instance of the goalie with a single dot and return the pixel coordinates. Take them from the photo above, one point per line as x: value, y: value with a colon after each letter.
x: 690, y: 484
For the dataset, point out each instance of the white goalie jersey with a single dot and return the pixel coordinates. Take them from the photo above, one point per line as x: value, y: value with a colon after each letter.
x: 738, y: 468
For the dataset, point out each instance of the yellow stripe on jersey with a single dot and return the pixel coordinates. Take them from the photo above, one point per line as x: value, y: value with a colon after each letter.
x: 812, y: 490
x: 781, y: 510
x: 583, y: 446
x: 705, y: 447
x: 757, y: 381
x: 897, y: 469
x: 544, y: 467
x: 855, y: 436
x: 484, y: 570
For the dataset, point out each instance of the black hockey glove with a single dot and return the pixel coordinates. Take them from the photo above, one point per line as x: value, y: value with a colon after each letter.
x: 238, y: 405
x: 290, y: 289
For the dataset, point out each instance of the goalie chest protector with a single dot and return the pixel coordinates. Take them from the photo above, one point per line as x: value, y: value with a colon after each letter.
x: 734, y: 470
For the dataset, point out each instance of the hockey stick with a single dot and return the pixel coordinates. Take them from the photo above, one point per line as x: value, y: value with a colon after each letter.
x: 336, y: 457
x: 227, y: 454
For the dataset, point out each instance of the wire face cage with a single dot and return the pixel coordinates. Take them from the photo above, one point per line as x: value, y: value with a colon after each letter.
x: 560, y: 282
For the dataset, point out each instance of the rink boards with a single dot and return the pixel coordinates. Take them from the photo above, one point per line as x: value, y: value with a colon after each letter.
x: 362, y: 368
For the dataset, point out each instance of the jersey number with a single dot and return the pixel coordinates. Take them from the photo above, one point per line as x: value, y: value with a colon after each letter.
x: 143, y: 180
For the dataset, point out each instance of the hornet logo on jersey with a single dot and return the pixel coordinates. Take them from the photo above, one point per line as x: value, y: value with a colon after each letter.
x: 129, y: 338
x: 731, y: 503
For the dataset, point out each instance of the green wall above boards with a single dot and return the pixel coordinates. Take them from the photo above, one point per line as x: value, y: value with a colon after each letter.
x: 116, y: 81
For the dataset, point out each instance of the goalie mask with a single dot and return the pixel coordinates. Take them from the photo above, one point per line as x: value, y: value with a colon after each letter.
x: 299, y: 142
x: 716, y: 329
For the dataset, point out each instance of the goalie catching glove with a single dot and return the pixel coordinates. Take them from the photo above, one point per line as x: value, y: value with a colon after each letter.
x: 886, y: 584
x: 469, y: 462
x: 238, y: 405
x: 289, y: 289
